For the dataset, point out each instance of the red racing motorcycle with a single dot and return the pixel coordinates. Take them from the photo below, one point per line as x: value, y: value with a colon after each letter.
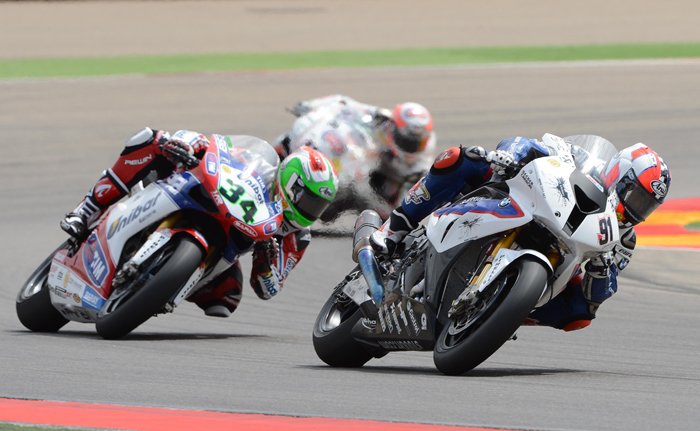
x: 159, y: 246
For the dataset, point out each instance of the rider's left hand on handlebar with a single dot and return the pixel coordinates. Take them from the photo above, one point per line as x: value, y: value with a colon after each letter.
x: 266, y: 251
x: 501, y: 162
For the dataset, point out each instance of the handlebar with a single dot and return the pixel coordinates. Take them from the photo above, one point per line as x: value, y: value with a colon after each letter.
x: 181, y: 155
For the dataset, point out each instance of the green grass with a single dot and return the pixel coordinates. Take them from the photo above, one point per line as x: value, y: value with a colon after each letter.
x: 693, y: 226
x: 178, y: 64
x: 13, y: 427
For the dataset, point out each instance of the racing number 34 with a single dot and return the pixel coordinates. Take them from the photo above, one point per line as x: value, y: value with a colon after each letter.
x: 233, y: 193
x: 606, y: 230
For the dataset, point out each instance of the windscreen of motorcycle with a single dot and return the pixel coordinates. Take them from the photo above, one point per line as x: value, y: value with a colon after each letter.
x: 247, y: 184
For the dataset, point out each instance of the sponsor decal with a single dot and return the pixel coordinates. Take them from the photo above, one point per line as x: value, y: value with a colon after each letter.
x: 221, y: 143
x: 326, y: 192
x: 387, y: 318
x: 418, y: 193
x: 95, y: 261
x: 659, y: 188
x: 135, y: 213
x: 102, y: 189
x: 554, y: 163
x: 270, y: 227
x: 423, y: 322
x: 256, y: 189
x: 469, y: 224
x: 504, y: 203
x: 559, y: 184
x: 76, y: 298
x: 396, y: 319
x: 527, y: 179
x: 369, y: 324
x: 212, y: 164
x: 291, y: 263
x: 245, y: 228
x: 381, y: 320
x: 596, y: 183
x: 138, y: 162
x: 65, y: 279
x: 270, y: 285
x: 334, y: 142
x: 92, y: 299
x: 404, y: 319
x: 217, y: 197
x: 226, y: 169
x: 412, y: 316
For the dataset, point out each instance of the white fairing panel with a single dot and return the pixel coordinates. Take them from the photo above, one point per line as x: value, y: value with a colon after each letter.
x: 129, y: 217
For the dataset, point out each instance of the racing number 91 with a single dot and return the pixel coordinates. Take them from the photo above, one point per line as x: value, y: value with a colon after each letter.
x: 606, y: 230
x: 233, y: 193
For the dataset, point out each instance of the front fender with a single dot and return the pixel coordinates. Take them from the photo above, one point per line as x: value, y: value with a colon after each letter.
x: 505, y: 257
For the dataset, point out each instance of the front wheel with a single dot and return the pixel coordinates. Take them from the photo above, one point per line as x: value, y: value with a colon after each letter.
x: 34, y: 307
x: 148, y: 294
x: 333, y: 341
x: 472, y: 336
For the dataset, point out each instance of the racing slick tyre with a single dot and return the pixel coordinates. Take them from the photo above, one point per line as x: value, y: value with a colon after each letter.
x: 332, y: 336
x: 473, y: 335
x: 34, y: 307
x: 147, y: 294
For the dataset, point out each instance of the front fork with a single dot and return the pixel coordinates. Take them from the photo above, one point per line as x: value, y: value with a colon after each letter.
x: 470, y: 295
x: 155, y: 242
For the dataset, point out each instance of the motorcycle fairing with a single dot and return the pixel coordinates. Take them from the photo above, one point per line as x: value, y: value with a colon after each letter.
x: 158, y: 200
x: 71, y: 294
x: 456, y: 224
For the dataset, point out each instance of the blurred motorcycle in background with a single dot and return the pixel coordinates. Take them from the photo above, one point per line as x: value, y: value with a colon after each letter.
x: 369, y: 176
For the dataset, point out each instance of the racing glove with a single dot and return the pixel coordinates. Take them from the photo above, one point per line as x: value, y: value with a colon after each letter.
x: 183, y: 144
x: 266, y: 278
x: 501, y: 161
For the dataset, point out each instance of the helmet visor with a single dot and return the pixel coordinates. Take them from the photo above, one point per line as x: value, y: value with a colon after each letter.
x: 409, y: 142
x: 637, y: 200
x: 307, y: 203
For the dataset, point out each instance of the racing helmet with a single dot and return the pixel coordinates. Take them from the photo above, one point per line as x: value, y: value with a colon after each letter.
x: 411, y: 127
x: 308, y: 183
x: 641, y: 180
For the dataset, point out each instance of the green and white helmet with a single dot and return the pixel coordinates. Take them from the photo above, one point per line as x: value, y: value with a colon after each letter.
x: 308, y: 183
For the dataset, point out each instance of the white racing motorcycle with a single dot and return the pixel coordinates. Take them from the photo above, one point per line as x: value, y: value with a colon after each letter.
x: 464, y: 284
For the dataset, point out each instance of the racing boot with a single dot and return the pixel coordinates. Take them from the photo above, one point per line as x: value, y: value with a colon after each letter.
x: 108, y: 190
x: 397, y: 226
x: 77, y: 222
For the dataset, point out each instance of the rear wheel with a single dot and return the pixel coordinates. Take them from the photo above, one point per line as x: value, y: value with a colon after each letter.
x: 132, y: 305
x: 34, y: 307
x: 333, y: 341
x: 473, y: 335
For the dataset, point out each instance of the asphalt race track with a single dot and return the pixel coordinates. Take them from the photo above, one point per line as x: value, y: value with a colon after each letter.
x: 635, y: 368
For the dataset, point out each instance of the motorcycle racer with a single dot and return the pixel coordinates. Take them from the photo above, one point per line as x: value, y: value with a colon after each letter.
x: 636, y: 176
x: 307, y: 183
x: 405, y: 134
